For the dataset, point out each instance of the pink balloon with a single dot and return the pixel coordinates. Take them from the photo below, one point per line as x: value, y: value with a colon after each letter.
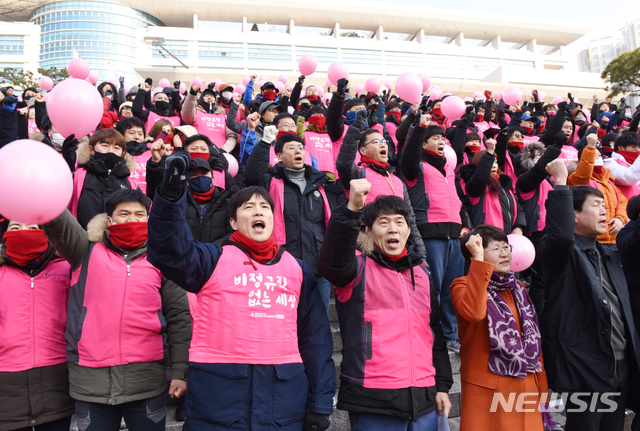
x: 497, y: 95
x: 372, y: 85
x: 234, y: 94
x: 556, y: 100
x: 164, y: 83
x: 263, y: 78
x: 541, y: 95
x: 78, y: 68
x: 307, y: 64
x: 327, y: 83
x: 435, y: 93
x: 115, y: 83
x: 409, y: 87
x: 523, y: 253
x: 320, y: 90
x: 337, y: 71
x: 45, y: 83
x: 75, y: 107
x: 453, y: 107
x: 290, y: 87
x: 36, y: 182
x: 358, y: 88
x: 512, y: 95
x: 261, y: 83
x: 446, y: 94
x: 93, y: 77
x: 280, y: 86
x: 183, y: 87
x: 452, y: 158
x: 245, y: 80
x: 282, y: 78
x: 240, y: 88
x: 388, y: 84
x: 233, y: 164
x: 426, y: 81
x: 216, y: 84
x: 196, y: 81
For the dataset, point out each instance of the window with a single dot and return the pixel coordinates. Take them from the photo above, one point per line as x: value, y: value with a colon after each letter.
x: 403, y: 60
x: 179, y: 48
x: 11, y: 45
x: 359, y: 57
x: 479, y: 64
x: 227, y: 51
x: 324, y: 56
x: 269, y: 53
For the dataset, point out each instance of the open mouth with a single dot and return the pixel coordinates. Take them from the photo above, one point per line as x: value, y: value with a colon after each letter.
x: 299, y: 159
x: 504, y: 262
x: 383, y: 153
x: 258, y: 226
x: 393, y: 243
x: 603, y: 222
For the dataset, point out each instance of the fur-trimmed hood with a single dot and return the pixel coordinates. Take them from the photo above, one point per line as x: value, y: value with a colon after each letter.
x: 529, y: 153
x: 83, y: 155
x: 96, y: 227
x: 365, y: 244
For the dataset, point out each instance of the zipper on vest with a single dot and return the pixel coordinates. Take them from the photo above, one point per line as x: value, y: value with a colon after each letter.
x: 33, y: 321
x: 128, y: 270
x: 32, y: 282
x: 124, y: 295
x: 409, y: 334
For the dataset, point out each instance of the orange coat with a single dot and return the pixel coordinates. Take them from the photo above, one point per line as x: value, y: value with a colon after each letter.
x: 614, y: 201
x: 469, y: 296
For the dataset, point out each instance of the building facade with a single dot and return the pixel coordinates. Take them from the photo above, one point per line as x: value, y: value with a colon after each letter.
x: 599, y: 53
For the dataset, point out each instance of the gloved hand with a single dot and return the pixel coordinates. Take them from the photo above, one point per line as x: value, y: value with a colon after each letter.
x: 69, y: 147
x: 560, y: 139
x: 316, y: 422
x: 301, y: 79
x: 211, y: 85
x: 121, y: 79
x: 149, y: 81
x: 361, y: 119
x: 342, y: 84
x: 269, y: 134
x: 177, y: 171
x: 373, y: 117
x: 217, y: 160
x: 176, y: 85
x: 487, y: 95
x: 570, y: 97
x: 194, y: 90
x: 535, y: 95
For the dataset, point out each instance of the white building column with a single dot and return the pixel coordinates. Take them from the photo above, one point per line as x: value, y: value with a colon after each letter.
x: 245, y: 28
x: 196, y: 24
x: 460, y: 39
x: 531, y: 46
x: 420, y: 36
x: 336, y: 30
x: 496, y: 42
x: 380, y: 33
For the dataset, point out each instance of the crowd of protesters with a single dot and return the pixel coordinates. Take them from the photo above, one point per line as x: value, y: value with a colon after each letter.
x: 207, y: 231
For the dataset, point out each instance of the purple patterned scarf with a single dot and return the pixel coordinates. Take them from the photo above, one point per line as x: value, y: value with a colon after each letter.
x: 509, y: 354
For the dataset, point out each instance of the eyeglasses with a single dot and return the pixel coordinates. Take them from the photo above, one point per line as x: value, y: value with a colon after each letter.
x: 378, y: 142
x: 499, y: 250
x: 287, y: 127
x: 295, y: 147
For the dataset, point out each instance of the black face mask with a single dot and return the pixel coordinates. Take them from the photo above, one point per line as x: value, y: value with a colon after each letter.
x: 109, y: 160
x: 162, y: 106
x: 27, y: 98
x: 108, y: 93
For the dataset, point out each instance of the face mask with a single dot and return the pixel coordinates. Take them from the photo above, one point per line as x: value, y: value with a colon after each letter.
x: 108, y: 93
x: 351, y: 116
x: 27, y: 98
x: 580, y: 119
x: 437, y: 112
x: 318, y: 121
x: 162, y: 106
x: 313, y: 98
x: 227, y: 95
x: 479, y: 118
x: 57, y: 139
x: 528, y: 130
x: 201, y: 184
x: 550, y: 113
x: 627, y: 115
x: 203, y: 156
x: 269, y: 95
x: 128, y: 236
x: 109, y: 160
x: 396, y: 115
x: 25, y: 246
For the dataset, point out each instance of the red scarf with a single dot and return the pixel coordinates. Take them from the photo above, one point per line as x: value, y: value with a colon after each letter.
x: 601, y: 132
x: 473, y: 148
x: 203, y: 198
x: 437, y: 112
x: 518, y: 144
x: 629, y: 156
x: 128, y: 236
x: 394, y: 114
x: 313, y: 98
x: 263, y: 252
x: 433, y: 153
x: 365, y: 159
x: 394, y: 259
x: 25, y: 245
x: 319, y: 121
x: 528, y: 130
x: 479, y: 118
x: 204, y: 156
x: 269, y: 95
x: 598, y: 170
x: 284, y: 132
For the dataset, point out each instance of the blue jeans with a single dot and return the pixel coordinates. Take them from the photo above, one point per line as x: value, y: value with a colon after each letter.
x: 59, y: 425
x: 446, y: 264
x: 376, y: 422
x: 142, y: 415
x: 325, y: 291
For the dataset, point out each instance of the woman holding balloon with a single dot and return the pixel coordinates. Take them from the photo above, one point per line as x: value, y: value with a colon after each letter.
x: 501, y: 351
x: 34, y: 287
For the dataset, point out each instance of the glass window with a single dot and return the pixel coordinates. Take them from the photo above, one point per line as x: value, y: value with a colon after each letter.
x: 358, y: 57
x: 324, y: 56
x: 269, y: 53
x: 403, y: 60
x: 11, y: 45
x: 209, y: 51
x: 179, y: 48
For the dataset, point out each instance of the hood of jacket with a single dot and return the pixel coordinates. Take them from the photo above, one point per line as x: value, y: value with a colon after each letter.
x: 368, y: 248
x: 83, y: 155
x: 528, y: 154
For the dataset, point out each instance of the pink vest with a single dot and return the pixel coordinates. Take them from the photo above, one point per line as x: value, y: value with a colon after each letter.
x: 139, y: 177
x: 493, y: 210
x: 444, y: 203
x: 153, y: 117
x: 319, y: 146
x: 401, y: 338
x: 273, y: 158
x: 543, y: 193
x: 33, y: 312
x: 529, y: 139
x: 392, y: 128
x: 212, y: 126
x: 380, y: 185
x: 628, y: 191
x: 336, y: 150
x: 277, y: 194
x: 122, y: 304
x: 509, y: 169
x: 482, y: 127
x: 78, y: 181
x: 569, y: 153
x: 32, y: 127
x: 247, y: 315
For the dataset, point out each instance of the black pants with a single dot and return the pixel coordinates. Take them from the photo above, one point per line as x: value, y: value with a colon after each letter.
x: 59, y: 425
x: 142, y: 415
x: 594, y: 421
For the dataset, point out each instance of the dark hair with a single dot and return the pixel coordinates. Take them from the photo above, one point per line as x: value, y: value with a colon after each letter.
x: 243, y: 196
x: 126, y: 195
x: 549, y: 106
x: 392, y: 105
x: 582, y: 130
x: 129, y: 123
x: 433, y: 130
x: 487, y: 232
x: 365, y: 135
x: 110, y: 136
x: 353, y: 102
x: 580, y: 194
x: 582, y: 147
x: 385, y: 205
x: 472, y: 136
x: 514, y: 129
x: 191, y: 139
x: 627, y: 139
x: 633, y: 208
x: 287, y: 137
x: 29, y: 89
x: 318, y: 109
x: 282, y: 116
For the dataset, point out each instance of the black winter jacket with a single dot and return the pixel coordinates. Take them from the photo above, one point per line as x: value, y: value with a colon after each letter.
x: 576, y: 322
x: 303, y: 212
